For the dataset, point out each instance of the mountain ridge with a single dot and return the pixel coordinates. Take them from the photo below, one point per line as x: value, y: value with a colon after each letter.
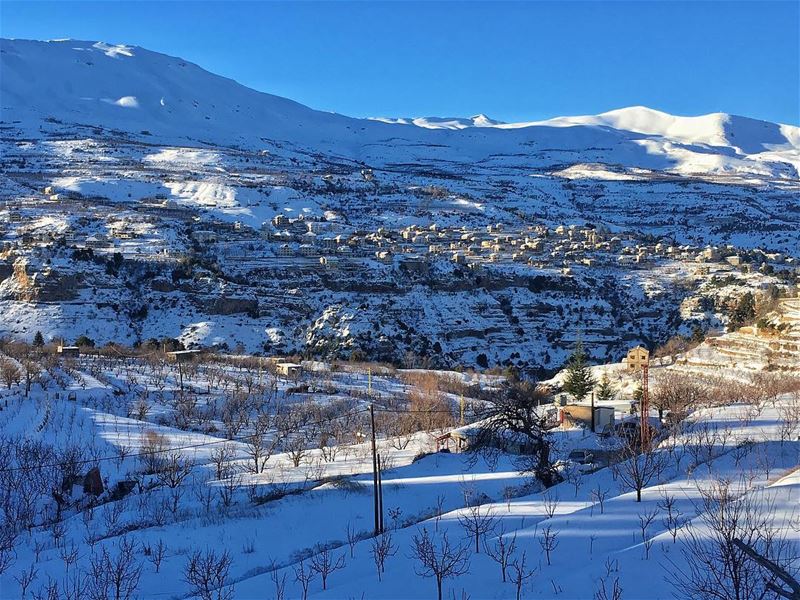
x: 140, y: 91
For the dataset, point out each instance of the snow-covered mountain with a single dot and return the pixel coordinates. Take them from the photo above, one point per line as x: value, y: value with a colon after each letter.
x: 136, y: 90
x: 142, y: 196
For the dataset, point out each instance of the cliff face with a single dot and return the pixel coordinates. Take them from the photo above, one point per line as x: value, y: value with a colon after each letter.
x: 25, y: 284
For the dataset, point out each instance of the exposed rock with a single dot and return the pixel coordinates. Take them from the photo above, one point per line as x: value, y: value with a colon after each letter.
x: 47, y: 285
x: 122, y: 489
x: 230, y: 306
x: 160, y: 284
x: 93, y: 482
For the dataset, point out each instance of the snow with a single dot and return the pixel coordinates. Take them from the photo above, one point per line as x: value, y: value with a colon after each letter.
x: 328, y: 498
x: 99, y: 84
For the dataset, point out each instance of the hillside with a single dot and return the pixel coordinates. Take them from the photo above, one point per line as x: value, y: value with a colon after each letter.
x: 224, y: 455
x: 135, y: 90
x: 144, y: 197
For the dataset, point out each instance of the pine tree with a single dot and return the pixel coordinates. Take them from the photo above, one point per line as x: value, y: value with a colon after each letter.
x: 38, y: 339
x: 743, y: 313
x: 579, y: 381
x: 605, y: 391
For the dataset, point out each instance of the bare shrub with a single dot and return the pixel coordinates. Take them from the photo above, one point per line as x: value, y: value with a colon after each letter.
x: 325, y: 563
x: 114, y: 574
x: 382, y: 548
x: 207, y: 575
x: 717, y: 564
x: 439, y: 559
x: 477, y: 521
x: 501, y: 551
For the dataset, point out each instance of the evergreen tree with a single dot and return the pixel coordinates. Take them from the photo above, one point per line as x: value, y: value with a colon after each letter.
x: 38, y: 339
x: 743, y: 313
x: 84, y: 341
x: 638, y: 393
x: 579, y: 381
x: 605, y: 391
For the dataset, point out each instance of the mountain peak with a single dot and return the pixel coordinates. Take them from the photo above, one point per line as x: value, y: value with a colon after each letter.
x: 126, y: 88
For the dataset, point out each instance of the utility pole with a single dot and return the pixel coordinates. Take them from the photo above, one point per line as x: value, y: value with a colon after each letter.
x: 380, y: 496
x: 374, y: 471
x: 461, y: 407
x: 593, y: 424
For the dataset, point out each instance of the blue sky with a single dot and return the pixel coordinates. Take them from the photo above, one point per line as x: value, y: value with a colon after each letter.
x: 512, y: 61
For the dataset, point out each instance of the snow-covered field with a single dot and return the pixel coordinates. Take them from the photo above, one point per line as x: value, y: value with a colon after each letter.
x: 312, y: 502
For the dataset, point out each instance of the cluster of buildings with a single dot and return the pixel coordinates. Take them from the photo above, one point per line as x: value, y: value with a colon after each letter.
x: 330, y: 243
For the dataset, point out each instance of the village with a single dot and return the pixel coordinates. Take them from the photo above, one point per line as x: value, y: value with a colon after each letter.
x: 329, y: 243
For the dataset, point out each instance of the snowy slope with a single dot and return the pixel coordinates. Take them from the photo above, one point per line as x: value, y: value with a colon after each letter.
x: 142, y: 92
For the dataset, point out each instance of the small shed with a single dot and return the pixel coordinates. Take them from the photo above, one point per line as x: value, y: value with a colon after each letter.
x: 183, y: 356
x: 580, y: 415
x: 69, y: 351
x: 604, y: 419
x: 289, y: 370
x: 452, y: 441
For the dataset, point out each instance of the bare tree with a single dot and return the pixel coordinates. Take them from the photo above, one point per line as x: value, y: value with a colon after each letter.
x: 382, y: 548
x: 279, y: 579
x: 304, y: 576
x: 614, y: 592
x: 8, y: 536
x: 548, y: 541
x: 324, y: 563
x: 636, y: 470
x: 25, y: 579
x: 550, y: 504
x: 352, y: 538
x: 156, y: 554
x: 645, y: 520
x: 599, y: 495
x: 259, y: 444
x: 574, y: 476
x: 9, y: 372
x: 207, y: 575
x: 439, y: 559
x: 477, y: 521
x: 154, y: 446
x: 789, y: 413
x: 720, y: 550
x: 783, y: 577
x: 676, y: 394
x: 517, y: 414
x: 672, y: 515
x: 501, y: 550
x: 520, y: 573
x: 114, y: 575
x: 220, y: 457
x: 228, y: 488
x: 32, y: 374
x: 174, y: 469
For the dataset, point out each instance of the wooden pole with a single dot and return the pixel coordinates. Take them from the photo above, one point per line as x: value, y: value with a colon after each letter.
x: 380, y: 495
x: 374, y: 470
x: 644, y: 409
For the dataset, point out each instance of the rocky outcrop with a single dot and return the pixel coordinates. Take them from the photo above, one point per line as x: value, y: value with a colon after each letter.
x: 232, y: 306
x: 47, y: 285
